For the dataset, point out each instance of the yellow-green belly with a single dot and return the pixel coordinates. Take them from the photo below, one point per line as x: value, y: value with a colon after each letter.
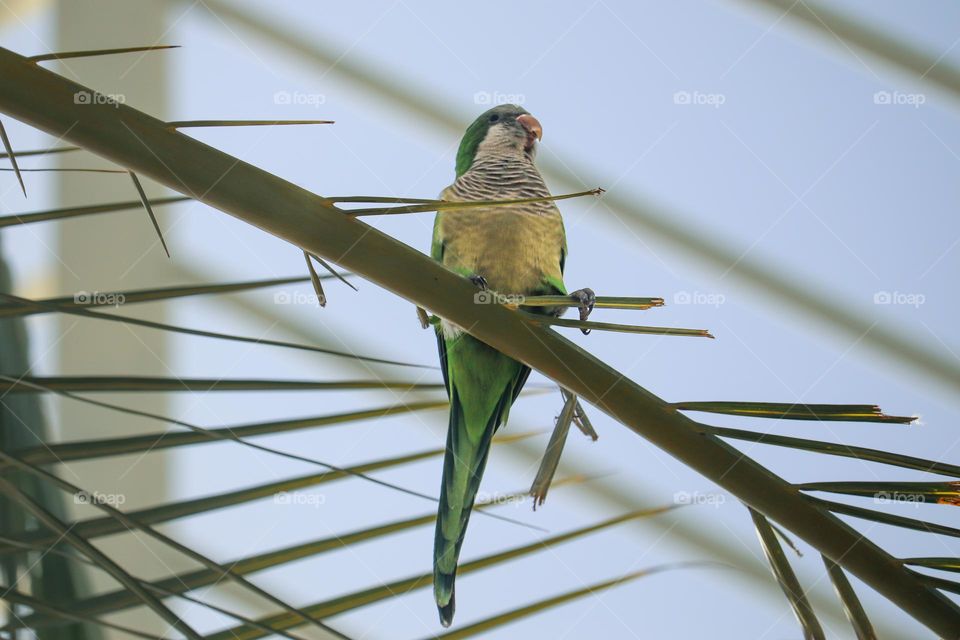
x: 514, y: 250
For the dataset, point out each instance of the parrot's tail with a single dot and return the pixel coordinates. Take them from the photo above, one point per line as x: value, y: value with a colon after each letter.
x: 463, y: 466
x: 468, y: 443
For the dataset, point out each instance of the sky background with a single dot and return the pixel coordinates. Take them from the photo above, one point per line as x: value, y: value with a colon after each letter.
x: 749, y: 130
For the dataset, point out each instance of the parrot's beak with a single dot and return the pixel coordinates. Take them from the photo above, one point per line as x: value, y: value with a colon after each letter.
x: 532, y: 125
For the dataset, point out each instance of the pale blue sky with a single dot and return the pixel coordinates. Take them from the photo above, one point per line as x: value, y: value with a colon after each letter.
x: 877, y: 192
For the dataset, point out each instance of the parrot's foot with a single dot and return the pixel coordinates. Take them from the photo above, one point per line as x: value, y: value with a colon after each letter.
x: 479, y: 281
x: 587, y: 299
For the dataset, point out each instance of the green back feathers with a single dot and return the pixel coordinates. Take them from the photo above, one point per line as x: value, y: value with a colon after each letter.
x: 477, y: 131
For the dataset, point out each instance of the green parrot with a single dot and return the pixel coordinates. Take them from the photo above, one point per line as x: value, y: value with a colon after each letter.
x: 516, y: 249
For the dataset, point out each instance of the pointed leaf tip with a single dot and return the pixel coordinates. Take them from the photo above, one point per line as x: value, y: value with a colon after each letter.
x: 66, y: 55
x: 13, y: 158
x: 149, y: 209
x: 315, y: 279
x: 551, y: 457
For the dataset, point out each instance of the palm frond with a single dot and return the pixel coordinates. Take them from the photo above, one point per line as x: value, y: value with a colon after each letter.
x: 68, y: 55
x: 644, y: 215
x: 147, y: 384
x: 64, y: 213
x: 602, y: 302
x: 315, y: 281
x: 22, y: 422
x: 852, y: 33
x: 295, y: 215
x: 375, y: 594
x: 888, y: 518
x: 786, y: 578
x: 13, y: 157
x: 943, y: 564
x: 835, y: 449
x: 44, y: 626
x: 62, y: 170
x: 132, y: 523
x: 116, y: 571
x: 326, y: 265
x: 851, y: 603
x: 98, y: 448
x: 17, y: 306
x: 185, y: 124
x: 911, y: 492
x: 443, y: 205
x: 941, y: 583
x: 38, y: 152
x: 230, y: 437
x: 105, y: 526
x: 551, y: 458
x: 619, y: 328
x: 13, y: 596
x: 177, y: 584
x: 580, y: 417
x: 505, y: 618
x: 792, y: 411
x: 23, y: 306
x: 149, y: 209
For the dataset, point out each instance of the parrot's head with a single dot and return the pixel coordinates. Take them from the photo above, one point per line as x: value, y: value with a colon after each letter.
x: 503, y: 130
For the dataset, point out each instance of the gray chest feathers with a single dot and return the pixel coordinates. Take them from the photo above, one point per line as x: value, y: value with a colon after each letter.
x: 513, y: 246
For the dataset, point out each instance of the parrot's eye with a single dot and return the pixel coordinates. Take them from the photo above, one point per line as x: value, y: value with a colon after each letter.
x: 494, y: 117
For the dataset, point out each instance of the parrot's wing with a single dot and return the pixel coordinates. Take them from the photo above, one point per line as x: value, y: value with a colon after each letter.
x: 557, y: 283
x: 436, y: 248
x: 442, y: 350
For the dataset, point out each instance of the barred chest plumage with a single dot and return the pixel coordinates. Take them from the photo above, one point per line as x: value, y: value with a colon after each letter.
x: 514, y: 247
x: 494, y: 177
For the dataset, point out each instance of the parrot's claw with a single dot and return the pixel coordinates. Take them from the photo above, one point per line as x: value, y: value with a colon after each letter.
x: 479, y: 281
x: 587, y: 298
